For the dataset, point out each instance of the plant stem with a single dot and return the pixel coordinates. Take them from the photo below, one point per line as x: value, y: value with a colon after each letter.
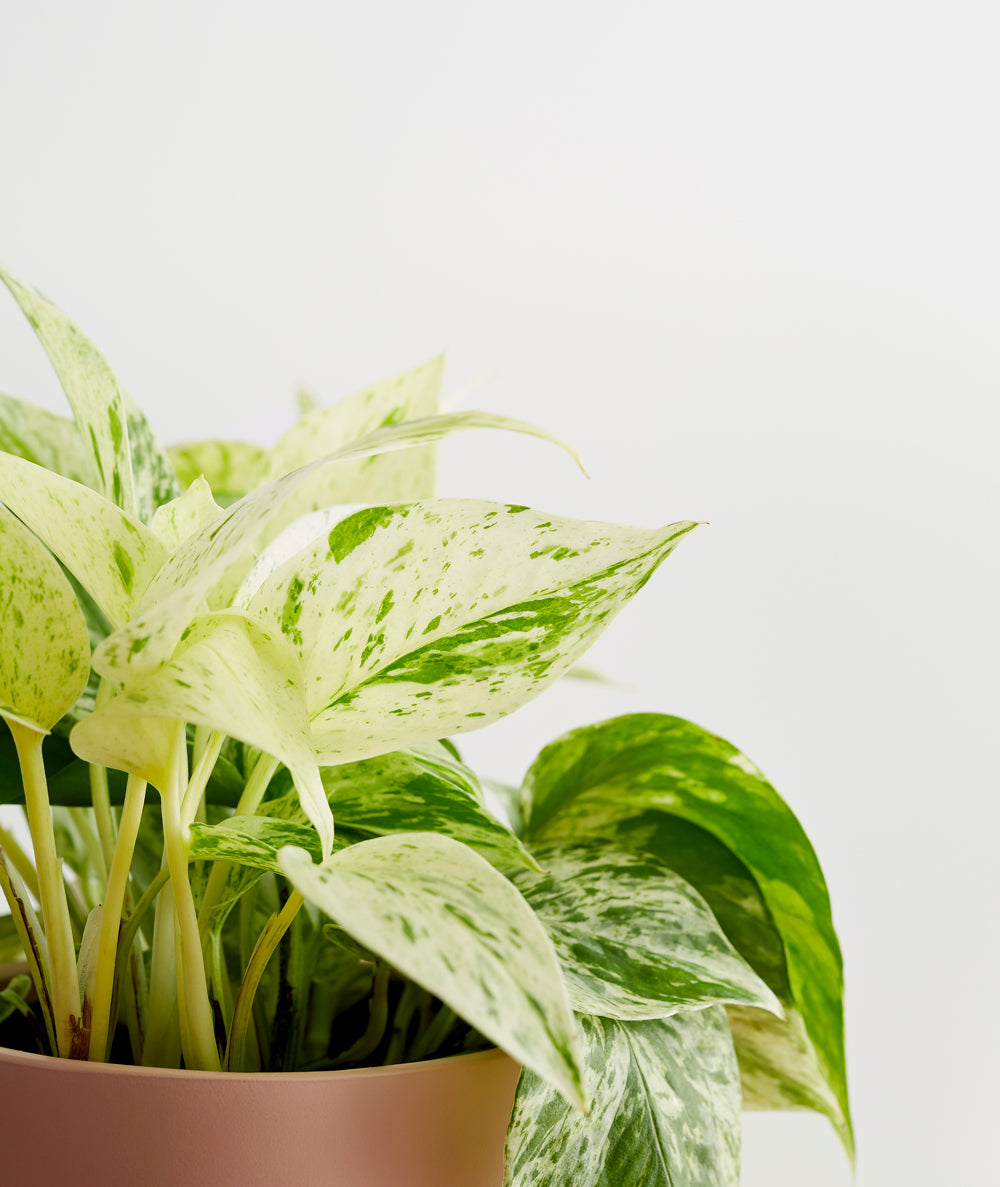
x: 114, y: 902
x: 52, y: 892
x: 201, y: 1051
x: 29, y: 932
x: 162, y: 1047
x: 269, y: 939
x: 20, y: 861
x: 205, y: 761
x: 435, y: 1034
x: 249, y: 802
x: 100, y: 797
x: 378, y: 1013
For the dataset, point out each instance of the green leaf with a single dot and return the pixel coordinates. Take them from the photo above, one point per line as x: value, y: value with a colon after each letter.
x: 251, y: 841
x: 588, y: 782
x: 13, y: 999
x: 152, y: 470
x: 11, y: 951
x: 38, y: 436
x: 229, y: 467
x: 635, y: 940
x: 231, y: 676
x: 113, y: 556
x: 443, y: 917
x: 665, y: 1110
x: 422, y: 621
x: 44, y: 646
x: 185, y: 516
x: 320, y: 431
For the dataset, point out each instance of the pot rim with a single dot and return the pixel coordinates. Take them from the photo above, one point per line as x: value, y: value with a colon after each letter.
x: 9, y: 1057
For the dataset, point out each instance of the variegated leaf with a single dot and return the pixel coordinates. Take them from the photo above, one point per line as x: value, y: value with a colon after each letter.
x: 320, y: 431
x: 204, y: 559
x: 419, y: 790
x: 229, y: 467
x: 44, y: 646
x: 446, y: 919
x: 251, y: 841
x: 39, y: 436
x: 153, y: 472
x: 635, y: 940
x: 231, y: 676
x: 586, y: 783
x: 665, y: 1110
x: 185, y: 516
x: 90, y: 387
x: 113, y: 556
x: 427, y: 620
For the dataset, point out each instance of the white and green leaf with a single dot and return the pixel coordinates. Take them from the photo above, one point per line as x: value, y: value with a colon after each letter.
x: 665, y: 1110
x: 113, y: 556
x: 229, y: 467
x: 44, y: 438
x: 44, y: 646
x: 423, y: 621
x: 252, y: 841
x: 232, y: 676
x: 635, y: 940
x: 423, y: 789
x: 593, y: 782
x: 444, y: 917
x: 181, y: 518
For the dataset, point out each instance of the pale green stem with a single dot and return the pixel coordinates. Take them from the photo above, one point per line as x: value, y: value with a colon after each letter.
x: 162, y: 1046
x: 269, y: 940
x: 248, y: 804
x: 195, y: 792
x: 100, y: 797
x: 52, y: 892
x: 20, y: 861
x: 201, y: 1051
x: 29, y: 932
x: 114, y: 902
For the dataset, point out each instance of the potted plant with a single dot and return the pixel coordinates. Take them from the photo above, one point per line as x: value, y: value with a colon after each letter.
x: 270, y: 927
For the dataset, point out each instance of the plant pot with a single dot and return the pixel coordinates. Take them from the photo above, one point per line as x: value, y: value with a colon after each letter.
x: 435, y: 1124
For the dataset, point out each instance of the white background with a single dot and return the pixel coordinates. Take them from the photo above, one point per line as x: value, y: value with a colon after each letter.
x: 745, y: 257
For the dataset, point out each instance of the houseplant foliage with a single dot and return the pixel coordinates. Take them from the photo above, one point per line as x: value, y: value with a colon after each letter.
x: 231, y: 676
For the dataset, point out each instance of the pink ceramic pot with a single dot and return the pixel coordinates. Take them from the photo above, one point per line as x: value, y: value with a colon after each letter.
x: 434, y: 1124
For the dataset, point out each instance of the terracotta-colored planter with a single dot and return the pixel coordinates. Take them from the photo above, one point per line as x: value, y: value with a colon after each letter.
x: 434, y: 1124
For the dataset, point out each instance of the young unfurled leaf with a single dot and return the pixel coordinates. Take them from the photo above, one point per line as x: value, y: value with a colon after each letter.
x: 635, y: 940
x: 183, y: 517
x: 590, y: 781
x: 39, y: 436
x: 229, y: 467
x: 423, y: 621
x: 665, y: 1110
x: 231, y: 676
x: 113, y: 557
x: 419, y: 790
x: 44, y: 647
x: 445, y: 918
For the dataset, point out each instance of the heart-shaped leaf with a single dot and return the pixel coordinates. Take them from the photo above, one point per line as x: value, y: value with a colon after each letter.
x: 445, y: 918
x: 426, y: 620
x: 635, y: 940
x: 588, y: 782
x: 665, y: 1110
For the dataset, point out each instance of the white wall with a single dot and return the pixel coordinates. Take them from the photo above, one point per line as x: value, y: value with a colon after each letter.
x: 745, y: 257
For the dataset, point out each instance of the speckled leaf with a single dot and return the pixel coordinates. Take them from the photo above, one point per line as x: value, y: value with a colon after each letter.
x: 635, y: 940
x: 113, y: 556
x: 420, y: 790
x: 90, y: 387
x: 206, y: 558
x: 39, y: 436
x: 153, y: 472
x: 44, y: 647
x: 590, y: 780
x: 229, y: 467
x: 443, y: 917
x: 229, y: 676
x: 430, y: 619
x: 251, y: 841
x: 414, y: 394
x: 183, y: 517
x: 665, y: 1110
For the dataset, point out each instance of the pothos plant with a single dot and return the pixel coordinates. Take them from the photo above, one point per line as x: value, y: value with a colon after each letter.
x: 230, y: 677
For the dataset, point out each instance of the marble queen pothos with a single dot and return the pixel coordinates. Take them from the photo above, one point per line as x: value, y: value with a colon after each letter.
x: 231, y: 676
